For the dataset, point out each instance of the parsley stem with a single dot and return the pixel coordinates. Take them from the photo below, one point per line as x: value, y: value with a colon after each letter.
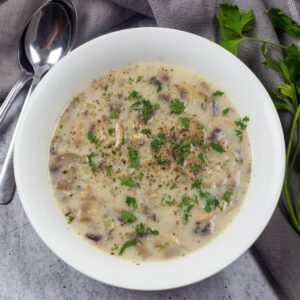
x: 263, y: 42
x: 287, y: 195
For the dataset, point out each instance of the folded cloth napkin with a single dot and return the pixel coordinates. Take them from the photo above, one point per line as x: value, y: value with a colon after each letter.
x: 279, y: 245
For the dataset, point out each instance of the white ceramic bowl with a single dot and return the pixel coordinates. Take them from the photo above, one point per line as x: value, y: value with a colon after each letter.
x: 96, y: 58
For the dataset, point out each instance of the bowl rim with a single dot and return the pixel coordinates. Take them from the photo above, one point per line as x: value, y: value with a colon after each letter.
x: 183, y: 282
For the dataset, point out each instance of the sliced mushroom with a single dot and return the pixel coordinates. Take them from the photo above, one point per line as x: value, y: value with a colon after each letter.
x: 182, y: 91
x: 78, y: 132
x: 90, y: 207
x: 225, y: 128
x: 94, y: 237
x: 171, y: 238
x: 142, y: 250
x: 64, y: 161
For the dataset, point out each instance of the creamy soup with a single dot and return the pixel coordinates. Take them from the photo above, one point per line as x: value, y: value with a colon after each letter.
x: 150, y: 162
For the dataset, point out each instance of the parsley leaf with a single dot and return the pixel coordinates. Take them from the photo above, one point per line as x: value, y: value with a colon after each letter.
x: 218, y: 93
x: 177, y: 107
x: 128, y: 181
x: 241, y: 126
x: 173, y: 186
x: 93, y: 139
x: 226, y: 111
x: 211, y: 201
x: 227, y: 196
x: 142, y: 105
x: 128, y: 217
x: 283, y: 22
x: 133, y: 156
x: 158, y: 140
x: 108, y: 170
x: 70, y: 219
x: 114, y: 114
x: 201, y: 158
x: 131, y: 201
x: 217, y: 147
x: 91, y: 162
x: 181, y: 150
x: 167, y: 201
x: 146, y: 131
x: 139, y: 176
x: 187, y: 204
x: 233, y: 23
x: 126, y: 245
x: 142, y: 230
x: 185, y: 122
x: 110, y: 131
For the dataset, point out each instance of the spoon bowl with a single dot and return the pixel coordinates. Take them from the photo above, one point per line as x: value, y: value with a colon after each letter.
x: 46, y: 42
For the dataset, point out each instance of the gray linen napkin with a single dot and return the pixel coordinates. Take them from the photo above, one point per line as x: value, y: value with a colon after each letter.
x: 279, y: 245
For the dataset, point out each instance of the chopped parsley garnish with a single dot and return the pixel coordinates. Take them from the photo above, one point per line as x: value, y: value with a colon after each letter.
x: 195, y: 168
x: 181, y: 150
x: 146, y: 131
x: 142, y: 105
x: 217, y: 147
x: 91, y: 162
x: 187, y: 204
x: 167, y: 201
x: 211, y: 201
x: 173, y: 186
x: 227, y: 196
x: 131, y: 202
x: 108, y: 170
x: 226, y: 111
x: 196, y: 184
x: 70, y: 219
x: 110, y: 131
x: 139, y: 176
x: 126, y: 245
x: 128, y: 181
x: 152, y: 231
x: 133, y: 157
x: 158, y: 140
x: 201, y: 157
x: 159, y: 87
x: 128, y: 217
x: 241, y: 126
x: 185, y: 122
x: 142, y: 230
x: 177, y: 107
x: 114, y: 114
x: 218, y: 93
x: 93, y: 139
x: 134, y: 95
x: 161, y: 161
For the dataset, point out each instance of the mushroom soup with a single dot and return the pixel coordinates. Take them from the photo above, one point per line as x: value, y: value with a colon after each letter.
x: 150, y: 162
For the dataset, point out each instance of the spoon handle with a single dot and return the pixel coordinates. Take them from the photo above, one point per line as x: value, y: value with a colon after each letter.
x: 7, y: 178
x: 12, y: 95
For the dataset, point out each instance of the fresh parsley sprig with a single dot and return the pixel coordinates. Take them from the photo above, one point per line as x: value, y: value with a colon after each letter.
x: 234, y: 24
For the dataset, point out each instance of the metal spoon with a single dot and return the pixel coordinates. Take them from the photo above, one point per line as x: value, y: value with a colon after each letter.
x: 47, y: 40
